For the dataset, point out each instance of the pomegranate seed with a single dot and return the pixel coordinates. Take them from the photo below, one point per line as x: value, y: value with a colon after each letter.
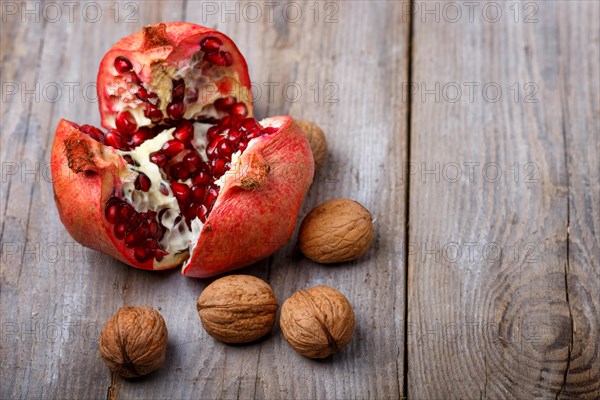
x: 215, y: 58
x: 253, y: 133
x: 269, y: 131
x: 93, y: 132
x: 198, y: 193
x: 84, y: 128
x: 201, y: 179
x: 152, y: 96
x: 120, y: 230
x: 249, y: 123
x: 142, y: 94
x: 225, y: 149
x: 218, y: 167
x: 130, y: 239
x: 112, y: 212
x: 234, y: 136
x: 158, y: 158
x: 134, y: 221
x: 153, y: 112
x: 140, y: 136
x: 142, y: 254
x: 122, y: 65
x: 114, y: 139
x: 153, y: 227
x: 191, y: 211
x: 172, y: 148
x: 125, y: 212
x: 242, y: 146
x: 202, y: 212
x: 176, y: 110
x: 142, y: 232
x: 223, y: 104
x: 228, y: 58
x: 181, y: 191
x: 142, y: 182
x: 211, y: 196
x: 128, y: 159
x: 185, y: 132
x: 212, y: 133
x: 212, y: 150
x: 178, y: 89
x: 126, y: 123
x: 210, y: 44
x: 151, y: 243
x: 192, y: 161
x: 179, y: 172
x: 239, y: 109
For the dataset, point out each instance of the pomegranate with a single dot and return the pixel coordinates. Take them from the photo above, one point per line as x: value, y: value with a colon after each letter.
x: 183, y: 173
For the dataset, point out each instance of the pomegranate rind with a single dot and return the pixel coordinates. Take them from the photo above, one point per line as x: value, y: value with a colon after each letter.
x: 85, y: 174
x: 173, y: 43
x: 250, y: 222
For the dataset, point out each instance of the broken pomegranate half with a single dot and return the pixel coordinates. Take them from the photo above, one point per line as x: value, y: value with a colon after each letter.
x: 183, y: 173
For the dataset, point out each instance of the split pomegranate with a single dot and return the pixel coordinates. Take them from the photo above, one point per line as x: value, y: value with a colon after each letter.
x: 183, y: 173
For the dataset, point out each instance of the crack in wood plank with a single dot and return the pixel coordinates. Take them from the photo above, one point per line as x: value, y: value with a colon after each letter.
x: 567, y: 266
x: 403, y: 389
x: 111, y: 392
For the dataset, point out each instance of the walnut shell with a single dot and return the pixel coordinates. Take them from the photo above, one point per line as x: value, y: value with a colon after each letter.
x: 237, y: 308
x: 336, y: 231
x: 317, y: 322
x: 316, y: 139
x: 133, y: 342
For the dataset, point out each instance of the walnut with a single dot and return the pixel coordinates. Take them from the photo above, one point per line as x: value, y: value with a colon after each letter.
x: 317, y: 322
x: 316, y: 138
x: 336, y: 231
x: 133, y: 341
x: 237, y: 308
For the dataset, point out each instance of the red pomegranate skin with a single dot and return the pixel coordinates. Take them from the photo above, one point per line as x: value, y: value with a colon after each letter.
x: 247, y: 225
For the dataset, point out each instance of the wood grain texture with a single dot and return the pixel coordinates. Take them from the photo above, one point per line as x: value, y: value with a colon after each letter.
x: 503, y: 270
x: 56, y: 295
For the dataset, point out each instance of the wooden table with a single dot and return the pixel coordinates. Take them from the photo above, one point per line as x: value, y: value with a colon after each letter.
x: 470, y: 130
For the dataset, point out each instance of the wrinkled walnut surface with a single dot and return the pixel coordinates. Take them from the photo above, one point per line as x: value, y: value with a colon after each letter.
x: 237, y: 308
x: 336, y: 231
x: 317, y: 322
x: 316, y: 139
x: 133, y: 342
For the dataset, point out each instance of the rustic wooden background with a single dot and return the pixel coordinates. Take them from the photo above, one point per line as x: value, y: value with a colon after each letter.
x: 471, y: 133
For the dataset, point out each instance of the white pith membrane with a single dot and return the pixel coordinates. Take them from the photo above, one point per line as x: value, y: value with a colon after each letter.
x: 178, y: 239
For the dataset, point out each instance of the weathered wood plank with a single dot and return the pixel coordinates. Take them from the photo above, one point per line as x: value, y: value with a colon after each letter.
x: 580, y: 83
x: 318, y: 57
x: 56, y: 295
x: 60, y: 294
x: 364, y: 54
x: 484, y: 323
